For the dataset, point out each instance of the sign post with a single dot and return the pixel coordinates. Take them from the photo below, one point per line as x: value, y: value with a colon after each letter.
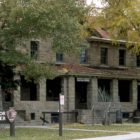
x: 11, y: 115
x: 61, y: 109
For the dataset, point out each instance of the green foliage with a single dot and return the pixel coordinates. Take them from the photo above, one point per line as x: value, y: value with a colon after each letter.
x: 12, y: 57
x: 22, y: 20
x: 42, y: 19
x: 6, y: 78
x: 103, y: 96
x: 121, y: 19
x: 35, y: 71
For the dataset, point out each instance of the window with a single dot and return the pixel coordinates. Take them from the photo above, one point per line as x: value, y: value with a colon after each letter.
x: 83, y: 56
x: 32, y: 116
x: 8, y: 96
x: 53, y: 89
x: 122, y: 55
x: 104, y: 55
x: 34, y: 49
x: 54, y: 117
x: 59, y: 57
x: 138, y: 60
x: 104, y: 93
x: 124, y: 89
x: 29, y: 90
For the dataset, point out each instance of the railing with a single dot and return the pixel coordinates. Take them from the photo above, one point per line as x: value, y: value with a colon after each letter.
x: 55, y: 116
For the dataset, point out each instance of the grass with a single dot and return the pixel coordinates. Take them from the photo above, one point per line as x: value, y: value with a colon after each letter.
x: 113, y: 127
x: 49, y: 134
x: 53, y: 134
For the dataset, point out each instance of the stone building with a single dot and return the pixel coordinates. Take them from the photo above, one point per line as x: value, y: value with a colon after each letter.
x: 105, y: 65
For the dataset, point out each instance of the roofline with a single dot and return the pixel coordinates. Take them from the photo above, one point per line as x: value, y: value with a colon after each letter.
x: 107, y: 40
x: 102, y: 76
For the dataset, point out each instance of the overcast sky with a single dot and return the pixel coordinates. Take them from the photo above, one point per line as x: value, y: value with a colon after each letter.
x: 97, y: 2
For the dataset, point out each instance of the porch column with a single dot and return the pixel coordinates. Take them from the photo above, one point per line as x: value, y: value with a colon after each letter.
x: 134, y: 93
x: 17, y: 93
x: 65, y: 90
x: 42, y: 90
x: 114, y: 90
x: 71, y: 93
x: 94, y: 91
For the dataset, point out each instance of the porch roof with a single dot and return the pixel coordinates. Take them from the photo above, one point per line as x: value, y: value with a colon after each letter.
x: 85, y: 70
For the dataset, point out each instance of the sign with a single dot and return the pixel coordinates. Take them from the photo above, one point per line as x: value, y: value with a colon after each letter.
x: 11, y: 115
x: 61, y: 99
x: 2, y: 116
x: 83, y: 79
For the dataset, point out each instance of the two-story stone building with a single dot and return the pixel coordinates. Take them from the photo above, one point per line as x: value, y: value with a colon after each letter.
x: 104, y: 65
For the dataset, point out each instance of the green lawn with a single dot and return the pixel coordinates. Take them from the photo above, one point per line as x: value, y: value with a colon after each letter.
x: 48, y: 134
x: 113, y: 127
x: 53, y: 134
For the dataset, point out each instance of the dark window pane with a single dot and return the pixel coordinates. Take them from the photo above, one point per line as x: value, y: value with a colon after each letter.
x: 32, y: 116
x: 34, y: 49
x: 124, y: 88
x: 53, y: 89
x: 104, y: 55
x: 138, y: 61
x: 59, y: 57
x: 28, y: 90
x: 83, y: 56
x: 8, y: 97
x: 122, y: 57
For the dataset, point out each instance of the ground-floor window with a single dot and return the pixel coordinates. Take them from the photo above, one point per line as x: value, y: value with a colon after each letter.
x: 32, y: 116
x: 29, y: 90
x: 54, y: 117
x: 104, y: 94
x: 124, y: 89
x: 7, y: 96
x: 138, y: 95
x: 53, y: 89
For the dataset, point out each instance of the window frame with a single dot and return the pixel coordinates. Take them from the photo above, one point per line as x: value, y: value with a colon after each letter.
x: 138, y: 60
x: 59, y: 57
x: 34, y: 48
x: 83, y: 56
x: 104, y: 56
x: 28, y: 88
x: 122, y: 59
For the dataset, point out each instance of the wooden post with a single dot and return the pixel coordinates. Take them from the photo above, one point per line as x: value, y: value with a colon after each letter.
x: 12, y: 129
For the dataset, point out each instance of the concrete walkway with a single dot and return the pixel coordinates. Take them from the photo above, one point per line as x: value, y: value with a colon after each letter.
x: 131, y: 136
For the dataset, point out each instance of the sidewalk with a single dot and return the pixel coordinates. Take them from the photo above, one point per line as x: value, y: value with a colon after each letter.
x: 131, y: 136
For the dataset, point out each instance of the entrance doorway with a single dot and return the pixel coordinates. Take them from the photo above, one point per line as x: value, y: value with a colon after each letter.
x: 81, y: 95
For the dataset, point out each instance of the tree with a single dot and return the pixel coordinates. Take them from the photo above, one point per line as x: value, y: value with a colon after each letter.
x: 21, y: 20
x: 121, y: 19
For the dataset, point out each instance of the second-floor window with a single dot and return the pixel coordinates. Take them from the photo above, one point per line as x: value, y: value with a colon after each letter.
x: 59, y: 57
x: 138, y: 61
x: 83, y: 56
x: 34, y: 49
x: 122, y: 57
x: 104, y: 56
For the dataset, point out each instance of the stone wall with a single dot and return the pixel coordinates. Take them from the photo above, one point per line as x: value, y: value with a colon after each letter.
x: 94, y: 112
x: 113, y: 55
